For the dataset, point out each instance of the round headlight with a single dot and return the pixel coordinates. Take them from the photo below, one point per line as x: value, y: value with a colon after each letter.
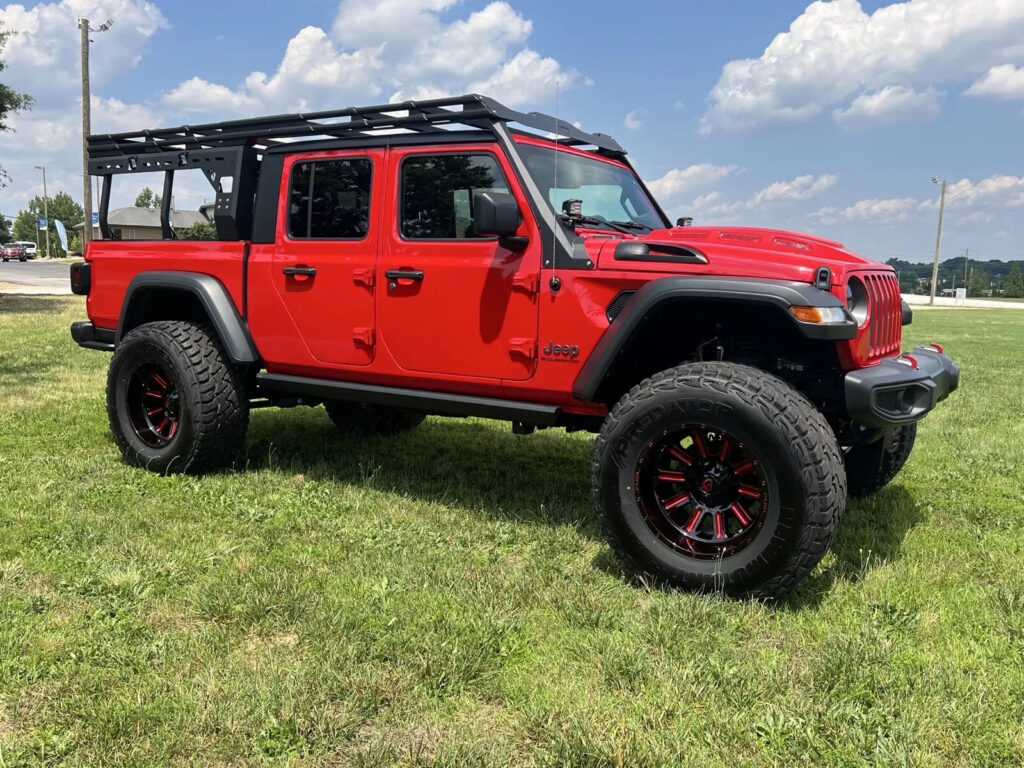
x: 857, y: 300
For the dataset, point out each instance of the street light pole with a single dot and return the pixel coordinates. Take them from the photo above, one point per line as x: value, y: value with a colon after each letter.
x: 46, y: 209
x: 938, y: 239
x: 83, y: 26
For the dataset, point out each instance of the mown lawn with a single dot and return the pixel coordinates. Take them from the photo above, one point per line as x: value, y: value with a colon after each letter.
x: 444, y: 598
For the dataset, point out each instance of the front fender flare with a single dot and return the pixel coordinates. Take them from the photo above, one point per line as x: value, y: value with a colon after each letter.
x: 781, y: 294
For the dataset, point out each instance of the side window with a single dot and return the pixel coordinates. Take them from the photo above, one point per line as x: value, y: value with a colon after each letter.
x: 437, y: 194
x: 330, y: 199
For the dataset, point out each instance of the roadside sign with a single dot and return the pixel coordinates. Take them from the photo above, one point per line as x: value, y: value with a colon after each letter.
x: 42, y: 223
x: 961, y: 296
x: 61, y: 233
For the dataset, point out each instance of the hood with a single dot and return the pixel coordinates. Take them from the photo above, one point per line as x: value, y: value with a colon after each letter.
x: 735, y: 251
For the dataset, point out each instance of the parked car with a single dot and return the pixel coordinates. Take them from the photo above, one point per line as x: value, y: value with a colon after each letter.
x: 30, y: 248
x: 13, y: 251
x: 741, y: 381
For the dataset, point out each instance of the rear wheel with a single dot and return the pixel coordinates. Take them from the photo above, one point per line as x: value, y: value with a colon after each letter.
x: 367, y: 418
x: 716, y: 476
x: 871, y: 467
x: 174, y: 400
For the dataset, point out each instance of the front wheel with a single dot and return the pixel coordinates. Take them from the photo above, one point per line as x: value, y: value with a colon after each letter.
x: 175, y: 401
x: 717, y: 476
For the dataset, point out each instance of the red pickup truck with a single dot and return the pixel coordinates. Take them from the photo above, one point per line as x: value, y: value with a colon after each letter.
x: 458, y: 257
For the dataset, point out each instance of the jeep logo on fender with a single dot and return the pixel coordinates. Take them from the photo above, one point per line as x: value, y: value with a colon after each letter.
x: 561, y: 350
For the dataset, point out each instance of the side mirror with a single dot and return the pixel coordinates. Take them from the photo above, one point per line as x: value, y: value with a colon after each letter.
x: 495, y: 213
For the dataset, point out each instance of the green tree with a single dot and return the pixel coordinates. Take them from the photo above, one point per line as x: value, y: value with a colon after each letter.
x: 147, y: 198
x: 5, y: 230
x: 1014, y: 283
x: 62, y: 207
x: 10, y: 100
x: 978, y: 284
x: 204, y: 230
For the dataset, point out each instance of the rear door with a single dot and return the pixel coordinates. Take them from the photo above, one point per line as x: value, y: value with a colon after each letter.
x: 323, y: 267
x: 451, y: 302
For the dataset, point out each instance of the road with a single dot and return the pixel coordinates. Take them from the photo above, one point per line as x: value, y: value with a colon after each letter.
x: 34, y: 277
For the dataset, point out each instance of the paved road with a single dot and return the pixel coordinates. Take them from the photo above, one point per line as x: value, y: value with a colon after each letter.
x: 35, y: 276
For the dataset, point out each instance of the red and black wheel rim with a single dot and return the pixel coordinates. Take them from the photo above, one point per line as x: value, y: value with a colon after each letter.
x: 153, y: 405
x: 702, y: 491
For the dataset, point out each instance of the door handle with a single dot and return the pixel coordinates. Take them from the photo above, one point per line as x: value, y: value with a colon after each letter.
x: 307, y: 271
x: 404, y: 274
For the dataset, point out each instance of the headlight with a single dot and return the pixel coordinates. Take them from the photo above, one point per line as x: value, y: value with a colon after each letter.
x: 820, y: 315
x: 857, y: 300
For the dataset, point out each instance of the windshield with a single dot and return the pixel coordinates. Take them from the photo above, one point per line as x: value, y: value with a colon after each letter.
x: 608, y: 191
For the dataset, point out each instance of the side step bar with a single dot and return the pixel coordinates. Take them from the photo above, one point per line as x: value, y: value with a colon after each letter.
x: 414, y: 399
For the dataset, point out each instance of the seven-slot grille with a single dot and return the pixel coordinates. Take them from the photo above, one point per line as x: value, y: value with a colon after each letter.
x: 885, y: 316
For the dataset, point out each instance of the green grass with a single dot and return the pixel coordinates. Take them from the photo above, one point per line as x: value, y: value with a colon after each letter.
x: 444, y: 598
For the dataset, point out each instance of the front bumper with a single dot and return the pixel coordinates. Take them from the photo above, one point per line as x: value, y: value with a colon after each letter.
x: 894, y: 392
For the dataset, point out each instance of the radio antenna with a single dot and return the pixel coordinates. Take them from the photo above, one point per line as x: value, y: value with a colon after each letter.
x: 554, y: 186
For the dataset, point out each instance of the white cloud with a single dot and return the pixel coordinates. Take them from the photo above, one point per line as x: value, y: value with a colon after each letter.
x: 43, y: 57
x: 775, y: 194
x: 996, y: 190
x: 397, y: 47
x: 680, y: 181
x: 1003, y: 82
x: 978, y: 217
x: 835, y: 50
x: 634, y: 120
x: 892, y: 104
x: 889, y: 211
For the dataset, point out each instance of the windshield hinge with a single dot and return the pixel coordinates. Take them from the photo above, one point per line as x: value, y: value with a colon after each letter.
x: 528, y: 281
x: 364, y: 336
x: 363, y: 277
x: 524, y: 347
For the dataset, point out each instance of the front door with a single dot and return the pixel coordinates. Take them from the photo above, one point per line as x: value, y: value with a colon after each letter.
x: 324, y: 263
x: 451, y: 302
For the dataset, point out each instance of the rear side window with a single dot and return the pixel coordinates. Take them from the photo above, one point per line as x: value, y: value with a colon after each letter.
x: 437, y: 194
x: 330, y: 199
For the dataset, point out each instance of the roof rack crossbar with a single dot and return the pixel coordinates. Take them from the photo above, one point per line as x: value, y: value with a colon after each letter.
x: 420, y: 116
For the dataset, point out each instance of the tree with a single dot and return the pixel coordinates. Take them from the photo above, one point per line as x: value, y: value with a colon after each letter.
x: 201, y: 231
x: 5, y: 230
x: 62, y: 207
x: 978, y: 284
x: 10, y: 100
x: 1014, y: 283
x: 147, y: 199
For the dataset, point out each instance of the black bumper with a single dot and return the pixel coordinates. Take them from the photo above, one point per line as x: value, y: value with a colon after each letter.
x: 894, y: 392
x: 89, y: 336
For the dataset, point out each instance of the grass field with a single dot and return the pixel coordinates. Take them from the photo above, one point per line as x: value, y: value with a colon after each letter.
x: 444, y: 598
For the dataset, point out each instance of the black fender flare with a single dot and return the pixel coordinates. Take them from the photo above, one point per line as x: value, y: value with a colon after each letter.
x: 781, y: 294
x: 213, y: 297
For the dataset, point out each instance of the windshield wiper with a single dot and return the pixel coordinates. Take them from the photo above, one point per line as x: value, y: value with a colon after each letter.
x: 632, y: 225
x: 572, y: 221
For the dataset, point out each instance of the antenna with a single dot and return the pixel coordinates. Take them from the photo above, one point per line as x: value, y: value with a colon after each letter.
x: 555, y: 285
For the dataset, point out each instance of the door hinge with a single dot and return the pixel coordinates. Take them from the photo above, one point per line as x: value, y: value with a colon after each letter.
x: 364, y: 277
x: 364, y: 336
x: 528, y: 281
x: 524, y: 347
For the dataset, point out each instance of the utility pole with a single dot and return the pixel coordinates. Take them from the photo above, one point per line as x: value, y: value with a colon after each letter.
x: 46, y: 209
x: 967, y: 258
x: 938, y: 238
x: 83, y: 26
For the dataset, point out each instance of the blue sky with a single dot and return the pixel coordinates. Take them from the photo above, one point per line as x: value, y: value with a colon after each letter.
x: 827, y: 117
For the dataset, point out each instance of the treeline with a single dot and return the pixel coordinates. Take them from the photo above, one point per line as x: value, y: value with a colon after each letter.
x: 983, y: 278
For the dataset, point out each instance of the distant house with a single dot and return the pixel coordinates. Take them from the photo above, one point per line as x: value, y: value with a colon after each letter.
x: 144, y: 223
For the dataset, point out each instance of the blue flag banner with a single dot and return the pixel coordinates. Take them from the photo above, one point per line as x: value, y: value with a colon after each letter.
x: 42, y: 223
x: 61, y: 233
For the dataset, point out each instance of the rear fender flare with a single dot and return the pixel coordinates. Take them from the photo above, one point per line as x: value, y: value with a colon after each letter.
x: 212, y: 296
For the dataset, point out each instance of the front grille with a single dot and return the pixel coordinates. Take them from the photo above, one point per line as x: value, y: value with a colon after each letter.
x: 885, y: 316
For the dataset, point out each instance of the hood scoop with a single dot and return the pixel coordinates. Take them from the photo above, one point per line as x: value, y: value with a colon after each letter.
x: 641, y: 250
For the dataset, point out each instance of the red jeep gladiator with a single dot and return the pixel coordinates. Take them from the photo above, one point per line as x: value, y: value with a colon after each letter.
x: 457, y: 257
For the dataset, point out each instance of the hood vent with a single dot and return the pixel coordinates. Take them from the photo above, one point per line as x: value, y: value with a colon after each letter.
x: 639, y: 250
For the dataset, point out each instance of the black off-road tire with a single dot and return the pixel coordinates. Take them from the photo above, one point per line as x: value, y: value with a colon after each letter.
x: 367, y: 418
x: 212, y: 402
x: 871, y: 467
x: 795, y: 452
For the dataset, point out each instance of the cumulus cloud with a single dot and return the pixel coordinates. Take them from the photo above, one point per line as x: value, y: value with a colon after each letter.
x: 634, y: 120
x: 892, y: 104
x: 995, y: 190
x: 680, y: 181
x: 1003, y: 82
x: 889, y: 211
x: 776, y: 194
x: 401, y: 48
x: 835, y: 51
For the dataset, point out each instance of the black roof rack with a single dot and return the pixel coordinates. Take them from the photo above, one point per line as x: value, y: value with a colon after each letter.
x: 420, y: 116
